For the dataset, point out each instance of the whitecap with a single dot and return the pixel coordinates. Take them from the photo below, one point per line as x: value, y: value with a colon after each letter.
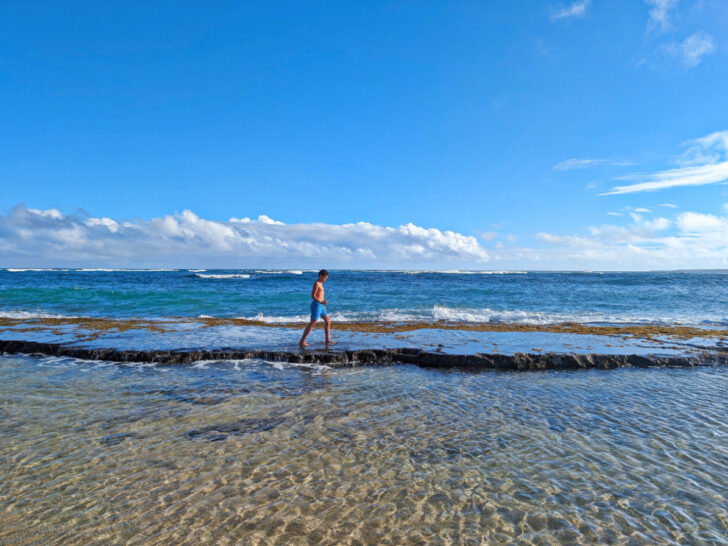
x: 279, y: 271
x: 223, y: 276
x: 103, y: 269
x: 19, y: 314
x: 277, y: 318
x: 461, y: 272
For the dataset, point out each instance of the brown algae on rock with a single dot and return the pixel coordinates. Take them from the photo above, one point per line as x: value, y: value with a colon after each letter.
x: 90, y: 328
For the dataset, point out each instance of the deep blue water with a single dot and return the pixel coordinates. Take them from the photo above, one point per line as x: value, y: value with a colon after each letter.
x: 539, y: 297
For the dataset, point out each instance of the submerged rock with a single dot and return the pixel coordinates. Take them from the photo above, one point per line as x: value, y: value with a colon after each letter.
x: 214, y: 433
x: 116, y: 439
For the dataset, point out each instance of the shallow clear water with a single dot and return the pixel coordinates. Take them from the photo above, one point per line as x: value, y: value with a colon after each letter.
x: 257, y: 453
x: 533, y: 297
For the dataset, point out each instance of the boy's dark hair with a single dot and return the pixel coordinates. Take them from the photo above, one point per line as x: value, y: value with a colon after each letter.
x: 323, y: 273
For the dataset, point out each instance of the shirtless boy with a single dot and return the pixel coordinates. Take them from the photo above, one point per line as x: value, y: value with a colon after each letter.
x: 318, y: 309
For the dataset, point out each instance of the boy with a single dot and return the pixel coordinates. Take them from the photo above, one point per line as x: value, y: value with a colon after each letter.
x: 317, y: 309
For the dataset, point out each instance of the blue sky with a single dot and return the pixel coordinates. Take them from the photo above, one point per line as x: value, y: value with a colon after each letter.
x: 508, y: 124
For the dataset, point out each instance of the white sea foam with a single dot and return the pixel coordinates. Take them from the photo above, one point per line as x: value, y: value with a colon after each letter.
x: 197, y: 270
x: 103, y: 269
x: 441, y: 313
x: 237, y: 363
x: 276, y: 318
x: 18, y: 314
x: 32, y: 269
x: 461, y: 272
x: 485, y: 315
x: 224, y: 276
x: 66, y: 361
x: 317, y: 368
x: 519, y: 316
x: 279, y: 272
x: 451, y: 314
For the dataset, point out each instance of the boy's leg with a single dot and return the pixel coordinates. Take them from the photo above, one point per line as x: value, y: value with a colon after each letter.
x: 308, y: 329
x: 327, y: 328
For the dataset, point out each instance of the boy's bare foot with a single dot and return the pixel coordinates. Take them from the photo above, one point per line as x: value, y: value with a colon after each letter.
x: 329, y: 342
x: 302, y: 343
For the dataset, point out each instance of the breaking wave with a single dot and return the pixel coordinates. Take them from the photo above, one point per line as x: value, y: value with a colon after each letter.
x: 279, y: 272
x: 465, y: 272
x: 103, y: 269
x: 223, y: 276
x: 486, y: 315
x: 17, y: 314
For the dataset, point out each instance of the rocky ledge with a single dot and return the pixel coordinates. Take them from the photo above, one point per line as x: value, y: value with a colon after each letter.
x: 349, y: 358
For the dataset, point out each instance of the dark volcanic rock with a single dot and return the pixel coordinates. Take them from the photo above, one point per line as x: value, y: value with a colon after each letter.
x: 116, y: 439
x: 518, y: 361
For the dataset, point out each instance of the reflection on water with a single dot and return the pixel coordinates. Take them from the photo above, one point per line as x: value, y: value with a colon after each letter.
x: 251, y: 452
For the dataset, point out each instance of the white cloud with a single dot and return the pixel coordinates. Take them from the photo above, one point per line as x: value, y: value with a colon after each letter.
x: 48, y: 238
x: 489, y: 235
x: 583, y: 163
x: 575, y: 163
x: 636, y: 217
x: 639, y: 231
x: 693, y: 222
x: 642, y: 210
x: 108, y: 223
x: 614, y: 214
x: 710, y: 149
x: 660, y: 13
x: 575, y: 9
x: 706, y: 160
x: 690, y: 240
x: 50, y: 213
x: 691, y: 50
x: 571, y: 241
x: 668, y: 205
x: 262, y: 218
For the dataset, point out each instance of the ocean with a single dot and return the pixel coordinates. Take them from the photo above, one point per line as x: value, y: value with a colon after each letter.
x: 685, y: 297
x: 264, y: 452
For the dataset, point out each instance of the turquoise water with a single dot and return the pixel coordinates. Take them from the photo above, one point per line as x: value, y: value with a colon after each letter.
x: 251, y: 452
x: 532, y: 297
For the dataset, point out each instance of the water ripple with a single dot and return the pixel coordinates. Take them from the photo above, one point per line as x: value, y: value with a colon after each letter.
x: 105, y: 454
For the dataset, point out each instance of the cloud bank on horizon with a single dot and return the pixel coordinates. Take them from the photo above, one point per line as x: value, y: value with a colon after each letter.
x: 47, y: 238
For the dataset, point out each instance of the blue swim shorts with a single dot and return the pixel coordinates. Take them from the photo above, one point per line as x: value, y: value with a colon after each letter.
x: 318, y: 310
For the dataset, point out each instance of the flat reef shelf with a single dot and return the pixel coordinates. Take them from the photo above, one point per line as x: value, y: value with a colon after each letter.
x: 361, y: 357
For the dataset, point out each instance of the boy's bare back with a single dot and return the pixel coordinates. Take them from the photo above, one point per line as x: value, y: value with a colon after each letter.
x: 317, y: 292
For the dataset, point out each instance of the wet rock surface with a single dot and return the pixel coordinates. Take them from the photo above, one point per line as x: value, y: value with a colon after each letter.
x: 350, y: 358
